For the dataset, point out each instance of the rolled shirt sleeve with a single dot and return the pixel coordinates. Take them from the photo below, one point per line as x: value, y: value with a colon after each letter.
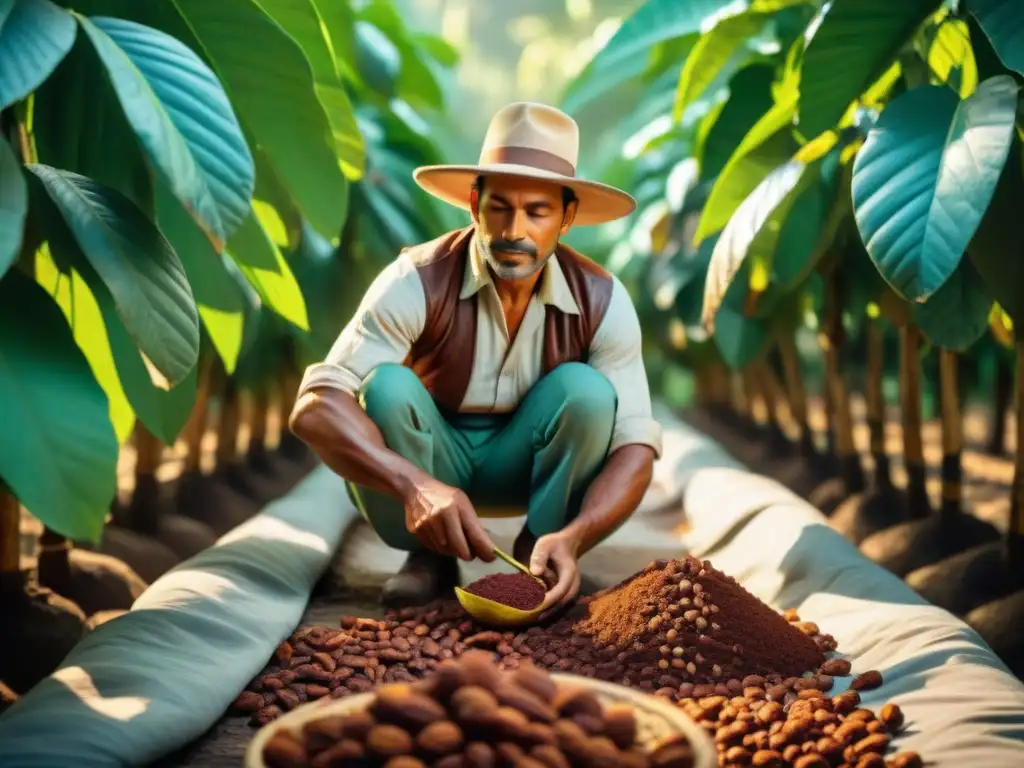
x: 616, y: 352
x: 389, y: 319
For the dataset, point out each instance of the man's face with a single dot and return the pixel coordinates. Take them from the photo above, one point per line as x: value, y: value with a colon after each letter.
x: 519, y: 222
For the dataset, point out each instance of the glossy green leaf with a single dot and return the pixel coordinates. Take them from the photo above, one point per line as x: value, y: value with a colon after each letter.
x: 13, y: 206
x: 856, y: 43
x: 71, y: 293
x: 956, y: 315
x: 218, y: 297
x: 925, y: 176
x: 738, y: 338
x: 266, y: 270
x: 183, y: 119
x: 270, y: 83
x: 749, y: 100
x: 5, y: 10
x: 625, y: 56
x: 714, y: 51
x: 79, y: 126
x: 416, y: 83
x: 339, y: 23
x: 765, y: 147
x: 302, y: 20
x: 34, y: 38
x: 439, y: 49
x: 378, y: 59
x: 1003, y: 22
x: 732, y: 248
x: 951, y: 58
x: 58, y: 450
x: 134, y: 260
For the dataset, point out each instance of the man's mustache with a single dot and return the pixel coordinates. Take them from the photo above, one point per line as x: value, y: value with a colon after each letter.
x: 507, y: 246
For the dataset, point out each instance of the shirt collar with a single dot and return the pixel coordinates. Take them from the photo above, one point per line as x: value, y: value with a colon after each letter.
x: 553, y: 290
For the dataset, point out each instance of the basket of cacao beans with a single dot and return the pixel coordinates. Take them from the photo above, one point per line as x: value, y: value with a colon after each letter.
x: 469, y: 714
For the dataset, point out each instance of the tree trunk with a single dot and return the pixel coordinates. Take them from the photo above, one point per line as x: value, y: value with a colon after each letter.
x: 195, y: 430
x: 1003, y: 396
x: 227, y: 428
x: 796, y: 393
x: 952, y: 433
x: 876, y: 404
x: 260, y: 405
x: 10, y: 540
x: 145, y: 504
x: 1015, y: 533
x: 774, y: 398
x: 850, y: 468
x: 54, y: 566
x: 910, y: 413
x: 750, y: 396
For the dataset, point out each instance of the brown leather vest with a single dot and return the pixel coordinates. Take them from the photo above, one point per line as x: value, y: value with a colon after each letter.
x: 442, y: 356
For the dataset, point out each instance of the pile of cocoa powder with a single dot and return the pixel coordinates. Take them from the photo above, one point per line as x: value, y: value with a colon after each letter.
x: 468, y: 714
x: 679, y: 629
x: 516, y: 590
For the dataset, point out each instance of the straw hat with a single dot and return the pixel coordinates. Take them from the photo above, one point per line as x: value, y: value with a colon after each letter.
x: 535, y: 141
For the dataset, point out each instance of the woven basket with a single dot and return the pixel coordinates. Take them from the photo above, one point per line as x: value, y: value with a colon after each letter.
x: 656, y: 718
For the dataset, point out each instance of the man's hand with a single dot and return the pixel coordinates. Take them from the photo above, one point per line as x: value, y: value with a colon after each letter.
x: 443, y: 518
x: 558, y: 551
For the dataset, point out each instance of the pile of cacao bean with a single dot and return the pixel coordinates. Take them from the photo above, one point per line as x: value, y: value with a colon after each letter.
x: 468, y: 714
x: 678, y: 629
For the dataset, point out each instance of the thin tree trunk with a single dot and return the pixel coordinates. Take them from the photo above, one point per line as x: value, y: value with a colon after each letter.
x: 227, y: 429
x: 720, y: 388
x: 145, y: 510
x: 850, y: 468
x: 876, y: 404
x: 910, y: 413
x: 260, y: 405
x: 952, y: 433
x: 750, y: 395
x: 1003, y: 396
x: 1015, y: 533
x: 54, y: 567
x: 195, y: 430
x: 796, y: 393
x: 10, y: 536
x: 774, y: 402
x: 740, y: 406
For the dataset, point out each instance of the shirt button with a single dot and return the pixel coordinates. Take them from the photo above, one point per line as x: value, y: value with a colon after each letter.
x: 506, y: 374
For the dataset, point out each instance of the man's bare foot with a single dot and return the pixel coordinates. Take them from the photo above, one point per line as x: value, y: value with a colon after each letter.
x: 424, y: 576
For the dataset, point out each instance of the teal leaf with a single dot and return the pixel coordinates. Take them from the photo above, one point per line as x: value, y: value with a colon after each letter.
x: 58, y: 450
x: 924, y: 179
x: 1003, y: 23
x: 956, y: 315
x: 182, y: 117
x: 13, y: 206
x: 92, y: 226
x: 5, y: 10
x: 856, y: 43
x: 34, y: 38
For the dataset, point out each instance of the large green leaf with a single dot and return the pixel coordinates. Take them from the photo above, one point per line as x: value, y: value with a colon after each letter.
x: 302, y: 20
x: 13, y: 206
x: 956, y: 315
x: 765, y: 147
x: 436, y: 47
x: 378, y: 59
x: 740, y: 339
x: 271, y: 85
x: 856, y: 43
x: 134, y: 261
x: 266, y: 270
x: 79, y: 126
x: 749, y: 99
x: 416, y: 83
x: 925, y: 176
x: 1003, y: 22
x: 183, y: 119
x: 733, y: 246
x: 5, y: 11
x: 218, y: 296
x: 71, y: 293
x: 626, y: 54
x: 34, y: 38
x: 58, y: 450
x: 715, y: 50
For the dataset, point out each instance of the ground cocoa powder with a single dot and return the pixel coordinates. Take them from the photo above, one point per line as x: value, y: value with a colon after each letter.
x: 516, y: 590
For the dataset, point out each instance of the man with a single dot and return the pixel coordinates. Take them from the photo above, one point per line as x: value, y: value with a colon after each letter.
x: 492, y: 368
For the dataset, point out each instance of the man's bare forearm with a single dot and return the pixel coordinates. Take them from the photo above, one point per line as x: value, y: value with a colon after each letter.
x: 333, y: 424
x: 613, y: 496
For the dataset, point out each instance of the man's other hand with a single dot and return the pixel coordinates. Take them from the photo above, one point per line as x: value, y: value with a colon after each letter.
x: 557, y: 551
x: 443, y: 518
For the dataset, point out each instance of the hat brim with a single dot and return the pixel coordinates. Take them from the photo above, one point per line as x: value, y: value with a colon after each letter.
x: 598, y: 203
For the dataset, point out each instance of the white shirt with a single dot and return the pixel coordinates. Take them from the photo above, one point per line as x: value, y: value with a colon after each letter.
x: 392, y: 316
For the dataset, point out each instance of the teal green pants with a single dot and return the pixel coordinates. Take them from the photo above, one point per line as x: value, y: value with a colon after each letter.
x: 540, y: 458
